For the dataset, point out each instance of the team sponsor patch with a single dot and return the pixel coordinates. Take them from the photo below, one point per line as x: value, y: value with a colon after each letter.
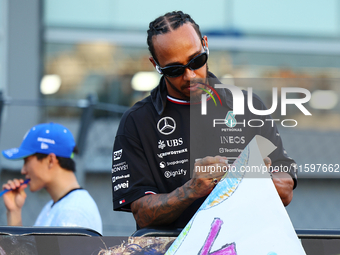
x: 232, y: 139
x: 164, y: 154
x: 117, y: 154
x: 169, y: 174
x: 172, y: 163
x: 123, y: 185
x: 11, y: 152
x: 161, y: 144
x: 116, y: 178
x: 176, y: 162
x: 235, y: 150
x: 231, y: 129
x: 166, y: 125
x: 44, y: 146
x: 120, y: 167
x: 46, y: 140
x: 170, y: 143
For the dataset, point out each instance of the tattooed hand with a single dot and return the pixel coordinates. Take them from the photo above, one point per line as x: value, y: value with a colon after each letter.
x: 163, y: 209
x: 206, y: 173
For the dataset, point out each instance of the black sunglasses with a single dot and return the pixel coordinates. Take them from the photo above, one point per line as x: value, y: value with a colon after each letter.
x: 177, y: 70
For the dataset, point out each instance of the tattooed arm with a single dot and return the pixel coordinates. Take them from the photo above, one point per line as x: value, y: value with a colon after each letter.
x: 163, y: 209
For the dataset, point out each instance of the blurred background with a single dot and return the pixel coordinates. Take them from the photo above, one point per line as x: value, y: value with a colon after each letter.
x: 82, y: 63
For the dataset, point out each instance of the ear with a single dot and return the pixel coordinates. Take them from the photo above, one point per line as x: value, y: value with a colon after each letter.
x: 155, y: 65
x: 52, y: 160
x: 205, y: 41
x: 152, y: 61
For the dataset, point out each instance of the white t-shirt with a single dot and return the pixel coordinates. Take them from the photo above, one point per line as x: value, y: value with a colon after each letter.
x: 77, y: 208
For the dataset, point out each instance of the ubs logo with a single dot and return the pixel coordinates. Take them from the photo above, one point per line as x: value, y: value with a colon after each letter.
x: 166, y: 125
x: 170, y: 143
x: 161, y: 144
x: 174, y: 142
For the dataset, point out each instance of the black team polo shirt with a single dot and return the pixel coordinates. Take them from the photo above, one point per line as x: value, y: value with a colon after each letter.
x: 151, y: 153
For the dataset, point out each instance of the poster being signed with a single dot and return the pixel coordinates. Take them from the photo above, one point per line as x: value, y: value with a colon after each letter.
x: 243, y: 214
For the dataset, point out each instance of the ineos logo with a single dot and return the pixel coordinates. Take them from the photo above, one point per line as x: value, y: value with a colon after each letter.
x: 166, y: 125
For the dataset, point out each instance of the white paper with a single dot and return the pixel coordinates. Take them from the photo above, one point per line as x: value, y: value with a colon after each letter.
x: 243, y: 215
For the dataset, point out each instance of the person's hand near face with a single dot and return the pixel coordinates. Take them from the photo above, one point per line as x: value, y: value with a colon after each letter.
x: 14, y: 200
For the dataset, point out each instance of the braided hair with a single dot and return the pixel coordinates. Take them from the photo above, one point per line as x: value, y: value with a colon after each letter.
x: 166, y: 23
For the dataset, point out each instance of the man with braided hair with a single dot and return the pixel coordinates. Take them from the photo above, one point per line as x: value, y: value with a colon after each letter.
x: 150, y: 163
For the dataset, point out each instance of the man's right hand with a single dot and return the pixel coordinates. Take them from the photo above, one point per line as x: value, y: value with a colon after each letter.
x: 206, y: 173
x: 163, y: 209
x: 14, y: 199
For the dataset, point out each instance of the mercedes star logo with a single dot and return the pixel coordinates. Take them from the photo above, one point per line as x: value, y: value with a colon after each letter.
x: 166, y: 125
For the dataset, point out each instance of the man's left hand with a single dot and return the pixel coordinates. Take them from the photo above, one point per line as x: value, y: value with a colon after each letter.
x: 283, y: 182
x: 284, y: 185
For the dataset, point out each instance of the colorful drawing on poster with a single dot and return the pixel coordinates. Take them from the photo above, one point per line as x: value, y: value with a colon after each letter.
x: 241, y: 201
x: 229, y: 183
x: 223, y: 190
x: 228, y: 249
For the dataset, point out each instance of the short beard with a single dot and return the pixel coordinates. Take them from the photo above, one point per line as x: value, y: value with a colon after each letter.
x: 194, y: 97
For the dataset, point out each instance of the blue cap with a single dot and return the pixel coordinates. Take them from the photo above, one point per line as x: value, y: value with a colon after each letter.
x: 44, y: 138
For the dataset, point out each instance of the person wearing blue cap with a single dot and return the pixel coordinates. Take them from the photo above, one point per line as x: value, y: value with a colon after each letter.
x: 47, y: 150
